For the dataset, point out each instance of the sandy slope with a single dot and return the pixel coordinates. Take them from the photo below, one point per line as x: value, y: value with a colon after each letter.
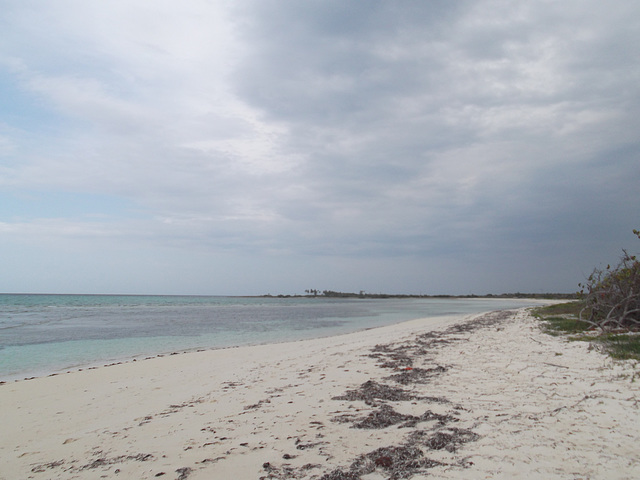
x: 480, y: 397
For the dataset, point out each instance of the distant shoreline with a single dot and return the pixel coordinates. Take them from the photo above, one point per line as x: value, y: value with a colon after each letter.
x: 332, y: 294
x: 323, y: 294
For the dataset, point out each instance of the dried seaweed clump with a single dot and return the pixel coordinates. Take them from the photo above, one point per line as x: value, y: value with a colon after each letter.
x: 404, y: 461
x: 484, y: 321
x: 371, y: 391
x: 386, y: 416
x: 101, y: 462
x: 449, y: 440
x: 417, y: 375
x: 395, y: 462
x: 398, y: 462
x: 392, y: 357
x: 339, y: 474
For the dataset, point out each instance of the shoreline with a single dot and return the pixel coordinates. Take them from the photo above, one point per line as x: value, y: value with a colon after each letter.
x: 469, y: 396
x: 145, y: 357
x: 65, y: 368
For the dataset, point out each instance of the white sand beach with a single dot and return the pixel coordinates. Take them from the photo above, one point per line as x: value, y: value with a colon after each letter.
x: 481, y: 396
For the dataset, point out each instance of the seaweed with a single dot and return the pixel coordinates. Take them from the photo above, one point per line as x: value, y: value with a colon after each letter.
x: 417, y: 375
x: 449, y: 440
x: 370, y: 391
x: 398, y: 462
x: 386, y: 416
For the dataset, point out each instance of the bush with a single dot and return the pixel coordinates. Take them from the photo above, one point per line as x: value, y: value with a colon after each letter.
x: 612, y: 296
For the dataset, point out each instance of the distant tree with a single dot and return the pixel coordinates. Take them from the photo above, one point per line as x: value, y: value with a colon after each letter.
x: 612, y: 295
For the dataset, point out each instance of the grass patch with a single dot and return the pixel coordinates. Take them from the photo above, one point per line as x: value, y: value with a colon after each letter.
x: 569, y: 308
x: 563, y: 319
x: 621, y: 346
x: 564, y: 325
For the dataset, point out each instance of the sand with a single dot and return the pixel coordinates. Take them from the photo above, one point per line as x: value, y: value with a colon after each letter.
x: 481, y: 396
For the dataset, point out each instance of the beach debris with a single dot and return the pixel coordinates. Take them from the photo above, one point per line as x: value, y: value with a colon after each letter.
x: 231, y: 385
x: 257, y: 405
x: 408, y: 459
x: 396, y: 462
x: 45, y: 466
x: 104, y: 461
x: 300, y: 445
x: 284, y: 472
x: 211, y: 460
x: 176, y: 408
x: 392, y: 357
x: 417, y: 375
x: 338, y: 474
x: 487, y: 320
x: 183, y: 473
x: 385, y: 416
x: 370, y: 391
x: 449, y: 439
x: 399, y: 462
x: 145, y: 420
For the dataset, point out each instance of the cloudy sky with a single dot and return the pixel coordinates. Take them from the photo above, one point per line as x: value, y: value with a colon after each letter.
x: 270, y: 146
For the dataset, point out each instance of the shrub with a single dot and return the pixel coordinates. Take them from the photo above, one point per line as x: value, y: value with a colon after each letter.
x: 612, y: 295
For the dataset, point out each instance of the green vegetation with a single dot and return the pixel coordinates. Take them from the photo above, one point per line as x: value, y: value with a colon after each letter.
x: 608, y: 312
x: 571, y: 309
x: 621, y: 346
x: 564, y: 319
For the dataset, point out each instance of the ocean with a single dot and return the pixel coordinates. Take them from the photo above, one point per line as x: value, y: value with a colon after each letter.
x: 45, y: 334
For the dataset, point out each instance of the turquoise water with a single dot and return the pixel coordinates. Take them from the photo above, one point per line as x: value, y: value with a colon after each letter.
x: 43, y: 334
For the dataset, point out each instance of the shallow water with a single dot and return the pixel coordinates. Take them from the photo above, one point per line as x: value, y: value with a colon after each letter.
x: 43, y: 334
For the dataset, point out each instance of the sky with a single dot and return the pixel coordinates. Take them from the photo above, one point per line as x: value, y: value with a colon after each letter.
x: 263, y: 146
